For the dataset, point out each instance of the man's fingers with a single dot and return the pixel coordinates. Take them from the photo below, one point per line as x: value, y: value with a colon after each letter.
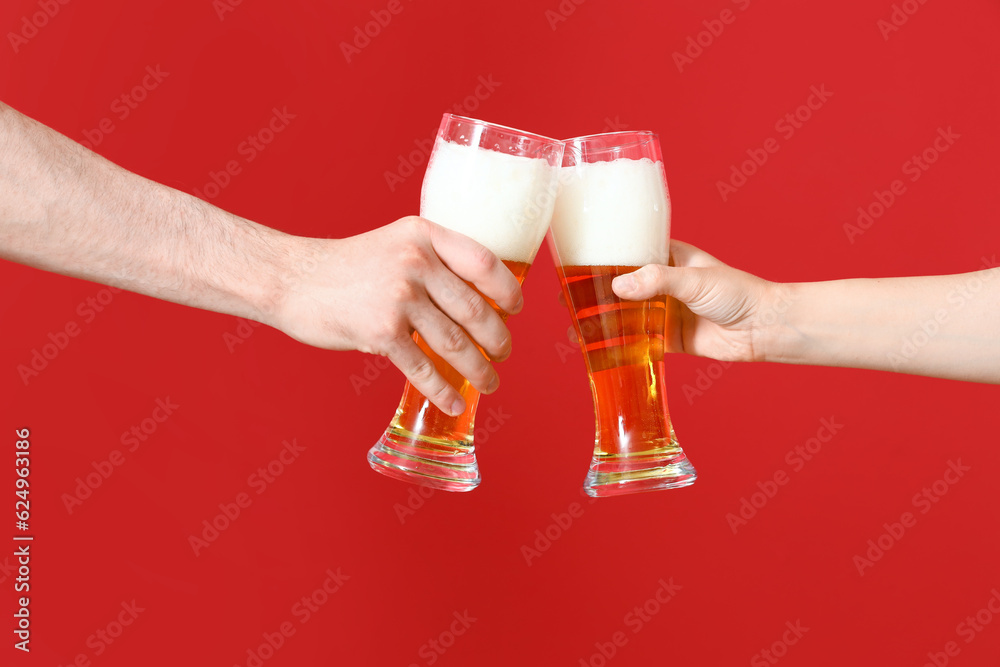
x: 451, y: 343
x: 420, y: 371
x: 684, y: 284
x: 471, y: 261
x: 471, y: 311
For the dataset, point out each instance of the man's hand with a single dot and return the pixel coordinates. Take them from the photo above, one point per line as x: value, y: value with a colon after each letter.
x: 371, y: 292
x: 68, y: 210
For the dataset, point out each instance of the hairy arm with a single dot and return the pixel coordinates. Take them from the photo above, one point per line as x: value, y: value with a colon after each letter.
x: 67, y: 210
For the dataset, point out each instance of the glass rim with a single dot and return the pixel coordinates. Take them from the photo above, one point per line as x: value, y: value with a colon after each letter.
x: 646, y: 134
x: 585, y: 141
x: 486, y: 123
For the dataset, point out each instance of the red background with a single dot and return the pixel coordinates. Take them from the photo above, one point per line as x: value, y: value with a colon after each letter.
x: 325, y: 176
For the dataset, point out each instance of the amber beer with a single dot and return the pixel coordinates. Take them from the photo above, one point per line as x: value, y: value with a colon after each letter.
x: 498, y: 186
x: 418, y: 424
x: 612, y: 217
x: 623, y: 345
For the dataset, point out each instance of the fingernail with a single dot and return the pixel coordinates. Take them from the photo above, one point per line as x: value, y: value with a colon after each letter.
x: 624, y: 283
x: 505, y: 348
x: 457, y: 408
x: 520, y: 304
x: 494, y: 383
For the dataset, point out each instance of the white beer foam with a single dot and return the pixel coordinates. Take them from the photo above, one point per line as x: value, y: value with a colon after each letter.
x: 503, y: 201
x: 612, y: 213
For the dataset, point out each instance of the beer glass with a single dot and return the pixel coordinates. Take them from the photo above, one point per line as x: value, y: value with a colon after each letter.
x: 612, y: 216
x: 497, y: 185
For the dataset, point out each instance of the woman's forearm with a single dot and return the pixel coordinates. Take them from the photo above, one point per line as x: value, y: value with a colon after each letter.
x: 68, y: 210
x: 941, y: 326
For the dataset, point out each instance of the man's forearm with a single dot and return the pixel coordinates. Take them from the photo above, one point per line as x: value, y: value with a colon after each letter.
x: 68, y: 210
x: 942, y: 326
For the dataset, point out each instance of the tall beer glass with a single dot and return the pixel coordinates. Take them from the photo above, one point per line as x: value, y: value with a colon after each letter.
x: 611, y: 217
x: 497, y: 185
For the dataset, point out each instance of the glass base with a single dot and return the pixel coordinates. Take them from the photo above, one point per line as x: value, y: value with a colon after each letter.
x: 436, y: 464
x: 620, y: 475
